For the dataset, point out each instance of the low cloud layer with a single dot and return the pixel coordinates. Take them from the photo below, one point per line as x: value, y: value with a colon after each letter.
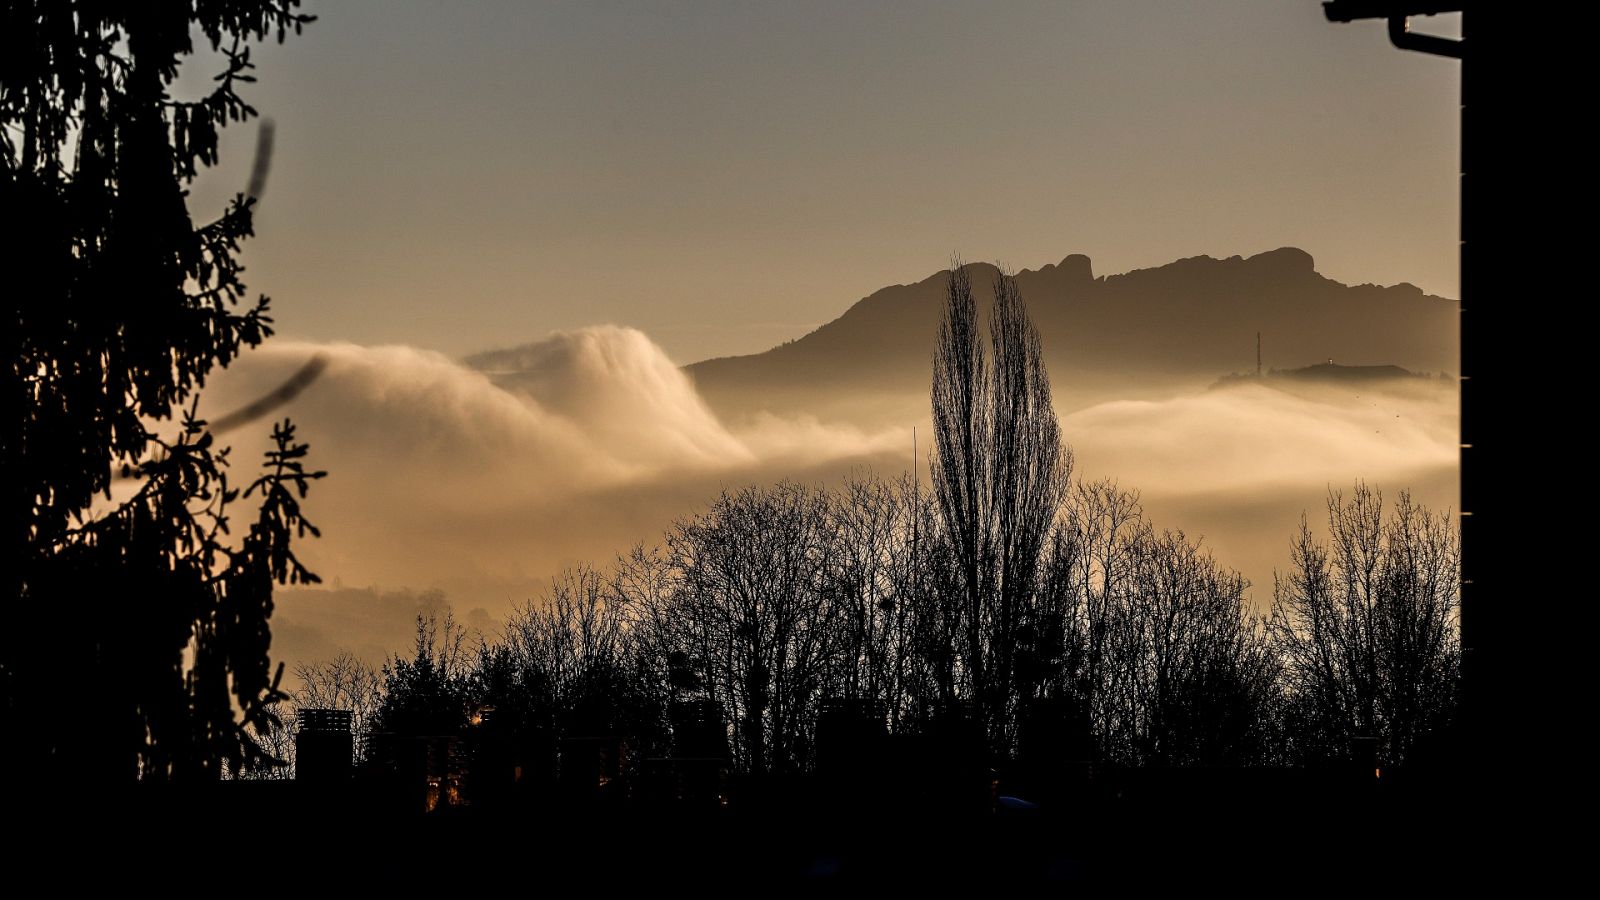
x: 1238, y: 466
x: 483, y: 478
x: 483, y: 482
x: 1251, y: 438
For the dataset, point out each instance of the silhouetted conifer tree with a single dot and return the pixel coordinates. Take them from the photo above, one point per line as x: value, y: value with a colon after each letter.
x: 138, y: 641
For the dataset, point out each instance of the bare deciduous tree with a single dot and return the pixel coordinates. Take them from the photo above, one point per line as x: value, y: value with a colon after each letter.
x: 1368, y: 627
x: 872, y: 578
x: 574, y: 651
x: 1157, y: 645
x: 753, y: 613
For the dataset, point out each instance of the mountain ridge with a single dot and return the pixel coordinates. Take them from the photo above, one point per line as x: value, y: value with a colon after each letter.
x: 1189, y: 318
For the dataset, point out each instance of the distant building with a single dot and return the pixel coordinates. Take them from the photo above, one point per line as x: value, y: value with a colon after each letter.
x: 696, y: 775
x: 323, y: 747
x: 698, y: 730
x: 427, y: 770
x: 591, y: 764
x: 851, y: 733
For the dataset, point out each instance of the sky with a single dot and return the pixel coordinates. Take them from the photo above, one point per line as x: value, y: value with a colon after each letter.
x: 723, y: 177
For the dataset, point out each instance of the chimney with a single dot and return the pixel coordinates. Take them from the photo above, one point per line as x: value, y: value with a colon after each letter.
x: 323, y: 745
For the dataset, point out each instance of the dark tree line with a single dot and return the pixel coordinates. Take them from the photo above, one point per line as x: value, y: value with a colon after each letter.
x: 776, y: 599
x: 1007, y: 594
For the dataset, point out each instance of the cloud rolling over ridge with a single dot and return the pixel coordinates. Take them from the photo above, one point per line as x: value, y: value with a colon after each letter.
x: 485, y: 482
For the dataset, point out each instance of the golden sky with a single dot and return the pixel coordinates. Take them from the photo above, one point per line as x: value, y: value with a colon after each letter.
x: 726, y: 176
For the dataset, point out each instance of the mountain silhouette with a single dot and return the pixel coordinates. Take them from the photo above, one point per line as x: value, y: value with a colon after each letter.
x: 1188, y: 319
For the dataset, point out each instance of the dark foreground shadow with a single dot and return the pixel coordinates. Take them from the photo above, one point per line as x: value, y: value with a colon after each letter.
x: 1248, y: 830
